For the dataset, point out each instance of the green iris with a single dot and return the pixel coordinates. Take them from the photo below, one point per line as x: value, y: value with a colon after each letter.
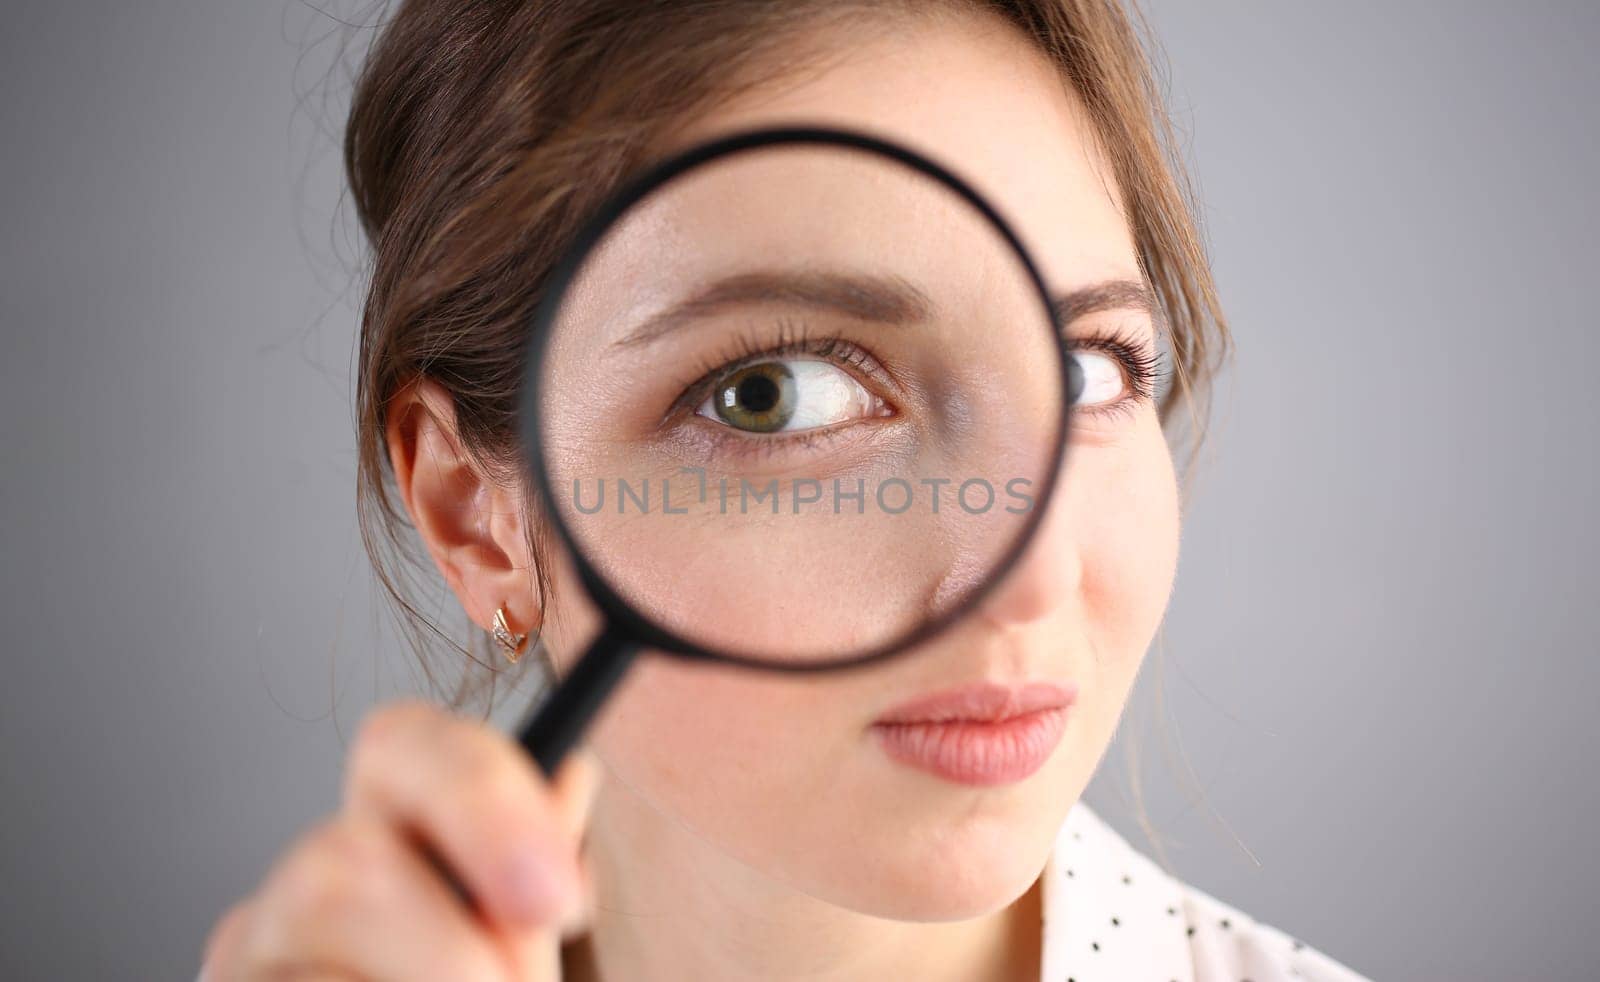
x: 759, y: 398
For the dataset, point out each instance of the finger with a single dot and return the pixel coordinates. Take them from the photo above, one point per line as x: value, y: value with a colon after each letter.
x: 536, y: 954
x: 576, y: 784
x: 478, y: 800
x: 355, y: 897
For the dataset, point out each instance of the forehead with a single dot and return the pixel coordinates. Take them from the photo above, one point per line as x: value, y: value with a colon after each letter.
x: 974, y: 93
x: 813, y: 227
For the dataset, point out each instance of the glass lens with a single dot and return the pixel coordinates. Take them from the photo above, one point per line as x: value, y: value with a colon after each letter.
x: 798, y: 403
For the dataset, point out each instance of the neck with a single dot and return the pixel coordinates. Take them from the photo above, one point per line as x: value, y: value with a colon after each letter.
x: 671, y: 906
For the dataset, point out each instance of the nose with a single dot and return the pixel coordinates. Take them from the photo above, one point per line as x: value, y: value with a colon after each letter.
x: 1046, y: 573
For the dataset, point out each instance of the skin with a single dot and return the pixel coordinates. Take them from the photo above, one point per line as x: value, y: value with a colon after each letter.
x: 747, y: 825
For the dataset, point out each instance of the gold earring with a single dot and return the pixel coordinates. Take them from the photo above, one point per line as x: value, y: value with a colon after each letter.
x: 511, y: 645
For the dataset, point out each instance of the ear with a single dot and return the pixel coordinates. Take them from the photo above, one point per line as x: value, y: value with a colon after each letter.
x: 472, y: 526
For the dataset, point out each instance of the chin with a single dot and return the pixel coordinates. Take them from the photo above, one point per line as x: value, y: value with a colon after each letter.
x: 952, y: 875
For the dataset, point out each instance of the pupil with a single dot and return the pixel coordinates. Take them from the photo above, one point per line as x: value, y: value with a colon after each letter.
x: 758, y: 394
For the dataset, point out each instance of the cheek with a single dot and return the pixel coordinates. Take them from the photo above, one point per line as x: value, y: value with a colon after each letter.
x: 679, y: 731
x: 731, y: 754
x: 723, y: 748
x: 1128, y: 535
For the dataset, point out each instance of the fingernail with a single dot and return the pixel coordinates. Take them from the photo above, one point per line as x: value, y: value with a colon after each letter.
x: 577, y: 784
x: 537, y: 886
x: 576, y: 919
x: 591, y: 782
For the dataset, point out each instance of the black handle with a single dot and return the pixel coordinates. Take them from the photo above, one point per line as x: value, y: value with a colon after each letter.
x: 558, y: 722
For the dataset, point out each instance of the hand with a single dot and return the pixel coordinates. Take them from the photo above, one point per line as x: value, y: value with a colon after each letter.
x: 365, y: 895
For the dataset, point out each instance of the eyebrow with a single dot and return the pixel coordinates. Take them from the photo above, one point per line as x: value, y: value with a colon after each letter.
x: 880, y: 299
x: 1114, y: 294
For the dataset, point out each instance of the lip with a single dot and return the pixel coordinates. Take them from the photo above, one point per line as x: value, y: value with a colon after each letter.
x: 981, y: 734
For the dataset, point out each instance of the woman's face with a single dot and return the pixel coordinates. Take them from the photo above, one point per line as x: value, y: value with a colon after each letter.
x: 787, y: 775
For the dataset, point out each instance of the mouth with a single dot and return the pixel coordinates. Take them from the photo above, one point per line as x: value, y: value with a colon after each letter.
x: 983, y: 734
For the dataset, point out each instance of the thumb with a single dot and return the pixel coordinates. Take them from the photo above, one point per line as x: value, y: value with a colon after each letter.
x: 536, y: 953
x: 577, y: 782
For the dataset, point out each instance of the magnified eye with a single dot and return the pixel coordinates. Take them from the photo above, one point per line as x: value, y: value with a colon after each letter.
x: 773, y: 396
x: 1102, y: 377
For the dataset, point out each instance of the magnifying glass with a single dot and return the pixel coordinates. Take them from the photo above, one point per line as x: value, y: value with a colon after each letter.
x: 796, y: 399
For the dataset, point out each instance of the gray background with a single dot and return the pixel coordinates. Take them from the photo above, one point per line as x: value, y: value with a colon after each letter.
x: 1379, y: 667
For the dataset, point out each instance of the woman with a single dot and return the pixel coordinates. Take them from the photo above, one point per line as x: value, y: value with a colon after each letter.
x: 710, y: 803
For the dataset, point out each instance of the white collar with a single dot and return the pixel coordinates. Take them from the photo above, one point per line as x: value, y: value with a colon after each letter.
x: 1112, y: 913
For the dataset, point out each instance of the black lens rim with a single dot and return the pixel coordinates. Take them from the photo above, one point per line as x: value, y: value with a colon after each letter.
x: 621, y: 614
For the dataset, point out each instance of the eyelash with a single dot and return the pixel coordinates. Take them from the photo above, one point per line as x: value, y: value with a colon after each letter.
x: 1142, y: 366
x: 748, y: 349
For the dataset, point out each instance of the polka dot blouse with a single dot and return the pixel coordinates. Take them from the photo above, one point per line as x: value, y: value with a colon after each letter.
x: 1110, y: 913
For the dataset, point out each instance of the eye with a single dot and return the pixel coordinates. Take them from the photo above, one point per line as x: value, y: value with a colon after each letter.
x: 1102, y: 378
x: 788, y: 395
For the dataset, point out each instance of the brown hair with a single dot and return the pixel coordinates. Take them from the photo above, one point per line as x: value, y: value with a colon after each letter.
x: 480, y: 134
